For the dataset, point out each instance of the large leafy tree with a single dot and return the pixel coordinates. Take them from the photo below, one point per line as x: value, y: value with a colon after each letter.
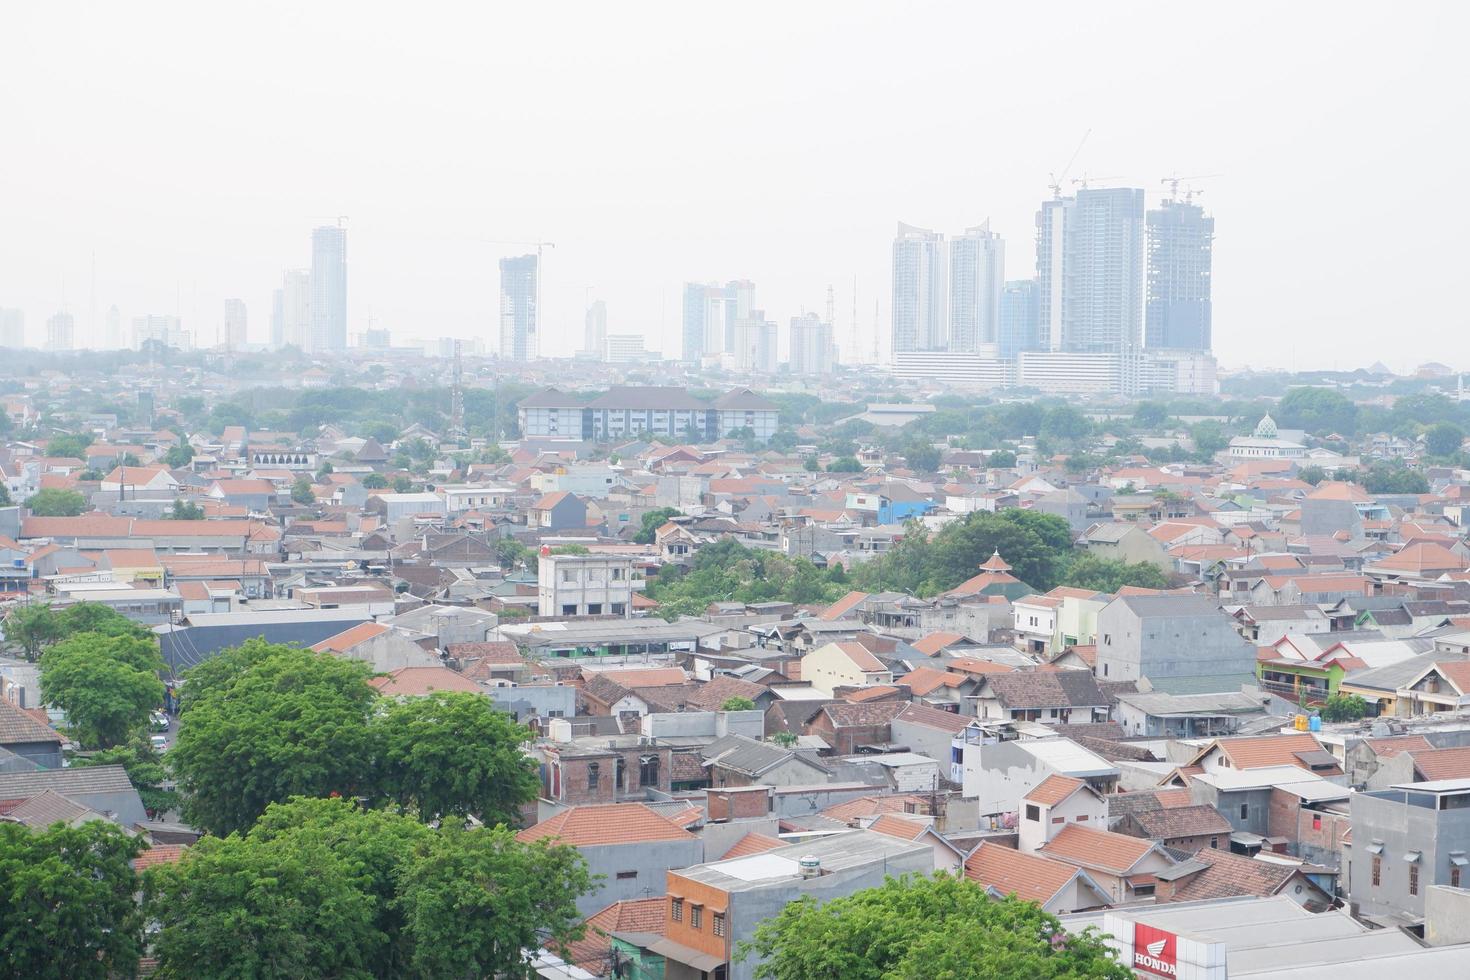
x: 53, y: 502
x: 652, y: 521
x: 106, y: 685
x: 67, y: 908
x: 1036, y: 545
x: 1320, y: 411
x: 475, y: 900
x: 268, y: 724
x: 145, y: 769
x: 239, y: 907
x: 934, y: 928
x: 1110, y: 574
x: 454, y: 754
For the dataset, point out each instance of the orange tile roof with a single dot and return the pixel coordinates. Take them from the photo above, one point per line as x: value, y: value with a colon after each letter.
x: 642, y: 677
x: 1030, y: 877
x: 895, y: 826
x: 592, y: 951
x: 924, y: 680
x: 1103, y: 849
x: 752, y: 843
x: 1387, y: 748
x: 1053, y: 789
x: 871, y: 693
x: 419, y: 681
x: 870, y: 806
x: 860, y: 657
x: 159, y: 854
x: 1443, y: 763
x: 970, y: 665
x: 934, y: 642
x: 1457, y: 672
x: 613, y: 823
x: 349, y: 638
x: 1257, y: 752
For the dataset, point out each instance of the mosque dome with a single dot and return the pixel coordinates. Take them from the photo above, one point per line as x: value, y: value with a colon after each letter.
x: 1266, y: 428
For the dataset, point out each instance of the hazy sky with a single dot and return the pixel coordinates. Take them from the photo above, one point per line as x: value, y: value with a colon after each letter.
x: 192, y: 146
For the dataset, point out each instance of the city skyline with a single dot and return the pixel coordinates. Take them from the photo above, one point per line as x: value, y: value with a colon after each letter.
x: 179, y: 213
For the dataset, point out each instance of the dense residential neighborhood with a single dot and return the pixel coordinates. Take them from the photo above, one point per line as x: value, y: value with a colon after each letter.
x: 1119, y: 667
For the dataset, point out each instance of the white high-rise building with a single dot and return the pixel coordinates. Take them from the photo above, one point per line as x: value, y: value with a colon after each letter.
x: 812, y: 349
x: 12, y: 329
x: 755, y: 343
x: 114, y: 339
x: 977, y: 265
x: 61, y: 331
x: 919, y: 290
x: 233, y: 333
x: 160, y: 328
x: 1089, y: 269
x: 329, y: 288
x: 518, y: 313
x: 594, y: 339
x: 296, y: 309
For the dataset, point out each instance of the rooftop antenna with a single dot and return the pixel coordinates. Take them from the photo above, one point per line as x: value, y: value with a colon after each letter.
x: 456, y: 397
x: 1058, y: 180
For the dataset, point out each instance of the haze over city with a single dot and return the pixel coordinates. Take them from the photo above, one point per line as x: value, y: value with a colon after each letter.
x: 662, y: 143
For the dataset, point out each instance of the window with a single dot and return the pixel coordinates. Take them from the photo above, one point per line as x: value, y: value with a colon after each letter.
x: 627, y: 875
x: 648, y: 770
x: 1316, y: 821
x: 1414, y: 878
x: 1058, y: 819
x: 696, y: 916
x: 1215, y: 842
x: 1454, y: 876
x: 1377, y: 871
x: 569, y: 609
x: 718, y: 923
x: 1245, y: 811
x: 618, y: 608
x: 594, y: 773
x: 617, y: 574
x: 1143, y: 890
x: 569, y: 575
x: 594, y: 609
x: 676, y: 909
x: 1033, y: 812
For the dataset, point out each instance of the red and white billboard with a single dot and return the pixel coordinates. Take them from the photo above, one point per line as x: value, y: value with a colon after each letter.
x: 1155, y: 951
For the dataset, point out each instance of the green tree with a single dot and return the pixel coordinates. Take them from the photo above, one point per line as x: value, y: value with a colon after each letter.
x: 1443, y: 439
x: 106, y: 685
x: 183, y: 510
x: 375, y: 481
x: 1320, y: 411
x: 33, y: 627
x: 1038, y: 546
x: 845, y: 464
x: 67, y: 910
x: 459, y: 927
x: 1344, y: 707
x: 454, y: 754
x: 4, y: 490
x: 1150, y: 415
x: 270, y: 723
x: 921, y: 456
x: 240, y: 907
x: 69, y: 446
x: 1065, y: 424
x: 301, y: 491
x: 177, y: 456
x: 652, y: 521
x: 1393, y: 477
x: 919, y: 927
x: 53, y: 502
x: 1110, y: 574
x: 402, y: 484
x: 1312, y: 474
x: 737, y: 704
x: 1208, y: 437
x: 1001, y: 459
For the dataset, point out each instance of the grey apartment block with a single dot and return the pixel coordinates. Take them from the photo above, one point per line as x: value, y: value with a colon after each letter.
x: 1181, y: 643
x: 1405, y: 839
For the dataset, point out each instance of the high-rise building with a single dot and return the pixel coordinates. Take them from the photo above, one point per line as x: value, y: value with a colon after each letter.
x: 1180, y: 244
x: 329, y: 288
x: 160, y: 328
x: 710, y: 314
x: 233, y: 334
x: 12, y: 329
x: 754, y: 346
x: 977, y: 264
x: 812, y: 348
x: 296, y: 319
x: 1089, y: 266
x: 61, y: 331
x: 626, y: 348
x: 518, y: 308
x: 918, y: 290
x: 114, y: 339
x: 594, y: 340
x: 1020, y: 320
x: 278, y: 318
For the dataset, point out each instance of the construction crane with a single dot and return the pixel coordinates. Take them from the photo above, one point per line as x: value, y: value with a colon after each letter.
x: 1058, y: 181
x: 1086, y: 179
x: 1174, y: 180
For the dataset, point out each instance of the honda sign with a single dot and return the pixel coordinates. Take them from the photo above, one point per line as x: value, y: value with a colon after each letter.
x: 1155, y: 951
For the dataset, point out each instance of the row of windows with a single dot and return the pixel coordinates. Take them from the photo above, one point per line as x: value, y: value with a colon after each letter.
x: 1413, y: 875
x: 647, y: 772
x: 696, y: 916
